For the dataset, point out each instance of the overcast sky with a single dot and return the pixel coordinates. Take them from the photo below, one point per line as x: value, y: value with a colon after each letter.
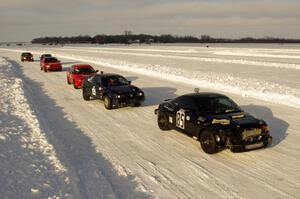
x: 23, y: 20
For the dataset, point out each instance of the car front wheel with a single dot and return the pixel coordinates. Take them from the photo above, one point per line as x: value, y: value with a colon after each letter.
x: 107, y: 102
x: 208, y: 142
x: 85, y: 95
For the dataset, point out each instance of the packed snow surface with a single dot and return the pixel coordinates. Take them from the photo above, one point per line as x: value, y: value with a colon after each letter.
x: 121, y: 153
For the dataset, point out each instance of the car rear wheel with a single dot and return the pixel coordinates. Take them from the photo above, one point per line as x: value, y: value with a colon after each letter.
x: 162, y: 121
x: 107, y: 102
x: 208, y: 142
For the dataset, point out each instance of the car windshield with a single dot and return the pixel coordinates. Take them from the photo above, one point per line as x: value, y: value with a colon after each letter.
x: 115, y: 80
x: 26, y: 54
x: 52, y: 59
x: 217, y: 105
x: 84, y: 70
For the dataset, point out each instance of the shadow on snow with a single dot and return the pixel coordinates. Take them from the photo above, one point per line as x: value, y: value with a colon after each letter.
x: 278, y: 127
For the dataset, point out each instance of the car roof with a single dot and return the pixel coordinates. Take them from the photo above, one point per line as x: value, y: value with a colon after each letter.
x: 47, y: 58
x: 82, y: 66
x: 108, y: 74
x: 204, y: 95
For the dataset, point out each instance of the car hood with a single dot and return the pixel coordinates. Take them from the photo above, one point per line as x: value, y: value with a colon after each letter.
x: 83, y: 75
x: 124, y: 89
x: 240, y: 120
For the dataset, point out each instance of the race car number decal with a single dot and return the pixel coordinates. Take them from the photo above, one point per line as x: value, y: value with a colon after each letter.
x: 94, y: 90
x: 180, y: 118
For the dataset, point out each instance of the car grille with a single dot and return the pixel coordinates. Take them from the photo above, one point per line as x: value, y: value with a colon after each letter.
x: 248, y: 133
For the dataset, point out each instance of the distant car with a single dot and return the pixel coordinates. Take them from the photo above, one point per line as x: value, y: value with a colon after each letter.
x: 115, y: 90
x: 50, y: 63
x: 77, y: 73
x: 26, y: 56
x: 214, y: 120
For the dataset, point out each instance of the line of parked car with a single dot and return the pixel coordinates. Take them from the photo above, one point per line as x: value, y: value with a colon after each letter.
x: 213, y: 119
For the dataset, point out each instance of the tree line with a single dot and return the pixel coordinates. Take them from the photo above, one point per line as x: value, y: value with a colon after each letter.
x: 129, y: 38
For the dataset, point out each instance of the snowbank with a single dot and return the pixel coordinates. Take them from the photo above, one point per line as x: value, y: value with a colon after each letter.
x: 228, y: 83
x: 29, y: 165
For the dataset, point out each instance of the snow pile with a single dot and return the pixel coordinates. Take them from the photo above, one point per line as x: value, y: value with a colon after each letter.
x: 246, y: 87
x: 29, y: 165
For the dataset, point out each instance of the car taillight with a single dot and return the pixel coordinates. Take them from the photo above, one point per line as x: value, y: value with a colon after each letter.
x: 265, y: 128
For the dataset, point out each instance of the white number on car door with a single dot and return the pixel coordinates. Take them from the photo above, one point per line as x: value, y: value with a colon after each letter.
x: 94, y: 90
x: 180, y: 118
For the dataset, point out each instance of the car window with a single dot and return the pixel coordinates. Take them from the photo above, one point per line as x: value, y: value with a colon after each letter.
x: 83, y: 70
x: 217, y: 105
x: 26, y: 54
x: 185, y: 102
x: 115, y: 80
x: 96, y: 79
x: 52, y: 59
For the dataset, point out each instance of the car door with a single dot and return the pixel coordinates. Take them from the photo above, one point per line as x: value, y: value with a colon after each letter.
x: 186, y: 115
x: 96, y: 88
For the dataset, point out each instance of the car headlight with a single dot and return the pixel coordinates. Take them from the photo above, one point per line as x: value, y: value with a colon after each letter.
x: 118, y: 96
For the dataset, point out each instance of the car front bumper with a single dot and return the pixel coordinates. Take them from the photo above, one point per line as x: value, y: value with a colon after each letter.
x: 240, y: 147
x: 54, y: 67
x: 127, y: 101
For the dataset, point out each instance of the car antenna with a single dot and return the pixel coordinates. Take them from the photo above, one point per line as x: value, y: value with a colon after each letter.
x: 196, y: 90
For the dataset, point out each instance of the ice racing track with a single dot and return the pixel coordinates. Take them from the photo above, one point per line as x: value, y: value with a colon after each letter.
x: 122, y: 153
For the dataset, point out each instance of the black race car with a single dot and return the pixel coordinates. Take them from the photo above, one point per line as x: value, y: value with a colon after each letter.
x: 115, y: 90
x: 215, y: 120
x: 26, y: 56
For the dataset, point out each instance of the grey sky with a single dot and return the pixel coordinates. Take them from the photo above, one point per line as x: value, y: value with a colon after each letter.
x: 23, y: 20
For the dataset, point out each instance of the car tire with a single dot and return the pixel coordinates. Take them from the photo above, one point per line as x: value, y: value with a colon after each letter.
x: 85, y: 95
x: 137, y: 104
x: 162, y: 121
x: 107, y: 102
x: 208, y: 142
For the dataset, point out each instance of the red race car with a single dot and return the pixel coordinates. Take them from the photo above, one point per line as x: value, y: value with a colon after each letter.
x: 77, y: 73
x: 50, y: 63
